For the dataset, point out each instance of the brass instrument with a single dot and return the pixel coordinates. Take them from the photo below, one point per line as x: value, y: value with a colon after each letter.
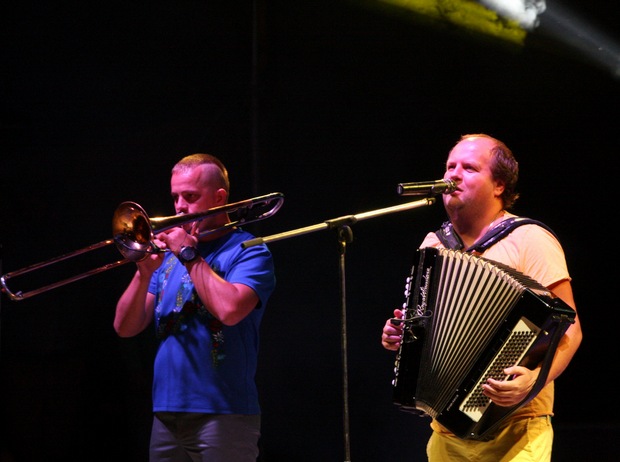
x: 133, y: 233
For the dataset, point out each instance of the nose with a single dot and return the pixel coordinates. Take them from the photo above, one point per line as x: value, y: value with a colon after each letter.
x: 180, y: 206
x: 454, y: 173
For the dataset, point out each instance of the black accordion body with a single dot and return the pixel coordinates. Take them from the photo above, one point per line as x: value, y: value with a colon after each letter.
x: 467, y: 318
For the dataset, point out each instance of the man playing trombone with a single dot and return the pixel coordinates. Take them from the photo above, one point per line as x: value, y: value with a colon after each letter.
x: 206, y: 296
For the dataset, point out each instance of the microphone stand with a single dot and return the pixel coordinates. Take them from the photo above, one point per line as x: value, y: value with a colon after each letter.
x: 345, y: 236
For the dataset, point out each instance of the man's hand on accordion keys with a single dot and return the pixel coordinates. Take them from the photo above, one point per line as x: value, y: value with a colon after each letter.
x: 393, y: 332
x: 514, y: 389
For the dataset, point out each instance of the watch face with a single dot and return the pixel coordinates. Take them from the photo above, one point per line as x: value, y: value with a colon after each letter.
x: 188, y: 254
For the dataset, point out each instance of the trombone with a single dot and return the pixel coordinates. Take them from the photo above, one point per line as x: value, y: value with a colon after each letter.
x: 133, y: 233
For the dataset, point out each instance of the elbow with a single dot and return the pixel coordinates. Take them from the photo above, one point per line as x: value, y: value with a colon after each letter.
x: 575, y: 332
x: 231, y: 319
x: 577, y: 338
x: 571, y: 340
x: 117, y: 328
x: 120, y: 331
x: 123, y: 334
x: 238, y: 307
x: 233, y: 313
x: 123, y: 330
x: 233, y: 316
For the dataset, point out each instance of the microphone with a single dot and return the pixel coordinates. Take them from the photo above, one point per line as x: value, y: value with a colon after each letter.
x: 426, y: 188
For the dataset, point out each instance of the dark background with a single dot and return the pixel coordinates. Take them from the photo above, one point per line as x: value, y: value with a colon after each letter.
x: 333, y: 104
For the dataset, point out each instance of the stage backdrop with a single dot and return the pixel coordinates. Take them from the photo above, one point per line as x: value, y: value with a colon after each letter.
x: 332, y: 103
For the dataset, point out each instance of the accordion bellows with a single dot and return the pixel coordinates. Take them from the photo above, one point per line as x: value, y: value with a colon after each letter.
x: 467, y: 318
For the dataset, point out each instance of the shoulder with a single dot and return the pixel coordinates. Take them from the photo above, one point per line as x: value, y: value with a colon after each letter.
x: 233, y: 241
x: 431, y: 240
x: 514, y: 222
x: 236, y: 250
x: 534, y: 233
x: 535, y: 251
x: 526, y: 230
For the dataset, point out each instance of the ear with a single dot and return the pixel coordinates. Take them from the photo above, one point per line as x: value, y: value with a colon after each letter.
x: 499, y: 188
x: 221, y: 196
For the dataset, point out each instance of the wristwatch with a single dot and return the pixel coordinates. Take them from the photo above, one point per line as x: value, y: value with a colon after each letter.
x: 187, y: 254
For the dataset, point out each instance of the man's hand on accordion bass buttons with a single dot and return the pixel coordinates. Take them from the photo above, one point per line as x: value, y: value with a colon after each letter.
x: 519, y: 381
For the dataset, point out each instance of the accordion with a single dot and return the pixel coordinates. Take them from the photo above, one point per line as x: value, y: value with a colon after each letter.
x: 466, y: 319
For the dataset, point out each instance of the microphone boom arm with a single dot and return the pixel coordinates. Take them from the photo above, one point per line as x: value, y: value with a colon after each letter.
x: 337, y: 222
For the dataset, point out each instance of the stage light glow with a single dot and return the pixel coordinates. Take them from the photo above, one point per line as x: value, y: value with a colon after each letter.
x: 474, y: 16
x: 514, y: 21
x: 579, y: 34
x: 525, y: 12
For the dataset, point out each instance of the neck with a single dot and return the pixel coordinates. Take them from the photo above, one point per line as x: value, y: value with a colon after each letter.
x: 472, y: 230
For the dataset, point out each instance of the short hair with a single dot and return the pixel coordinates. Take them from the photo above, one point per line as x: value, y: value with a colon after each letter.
x: 193, y: 160
x: 504, y: 168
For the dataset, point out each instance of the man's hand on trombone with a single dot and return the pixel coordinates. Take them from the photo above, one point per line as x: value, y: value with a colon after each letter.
x: 176, y: 238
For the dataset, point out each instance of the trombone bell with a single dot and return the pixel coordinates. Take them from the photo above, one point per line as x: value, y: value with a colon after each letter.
x: 132, y: 231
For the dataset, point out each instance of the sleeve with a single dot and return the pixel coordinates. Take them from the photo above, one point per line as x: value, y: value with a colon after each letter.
x: 542, y: 257
x: 254, y: 268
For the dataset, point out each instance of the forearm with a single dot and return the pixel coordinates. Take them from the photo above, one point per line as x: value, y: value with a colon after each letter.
x: 132, y: 313
x: 229, y: 303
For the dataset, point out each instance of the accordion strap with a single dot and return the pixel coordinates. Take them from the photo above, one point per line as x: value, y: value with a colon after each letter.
x: 548, y: 358
x: 451, y: 240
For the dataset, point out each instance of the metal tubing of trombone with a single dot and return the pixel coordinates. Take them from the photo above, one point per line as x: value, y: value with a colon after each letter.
x: 133, y: 233
x: 337, y: 222
x: 21, y: 295
x: 24, y: 295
